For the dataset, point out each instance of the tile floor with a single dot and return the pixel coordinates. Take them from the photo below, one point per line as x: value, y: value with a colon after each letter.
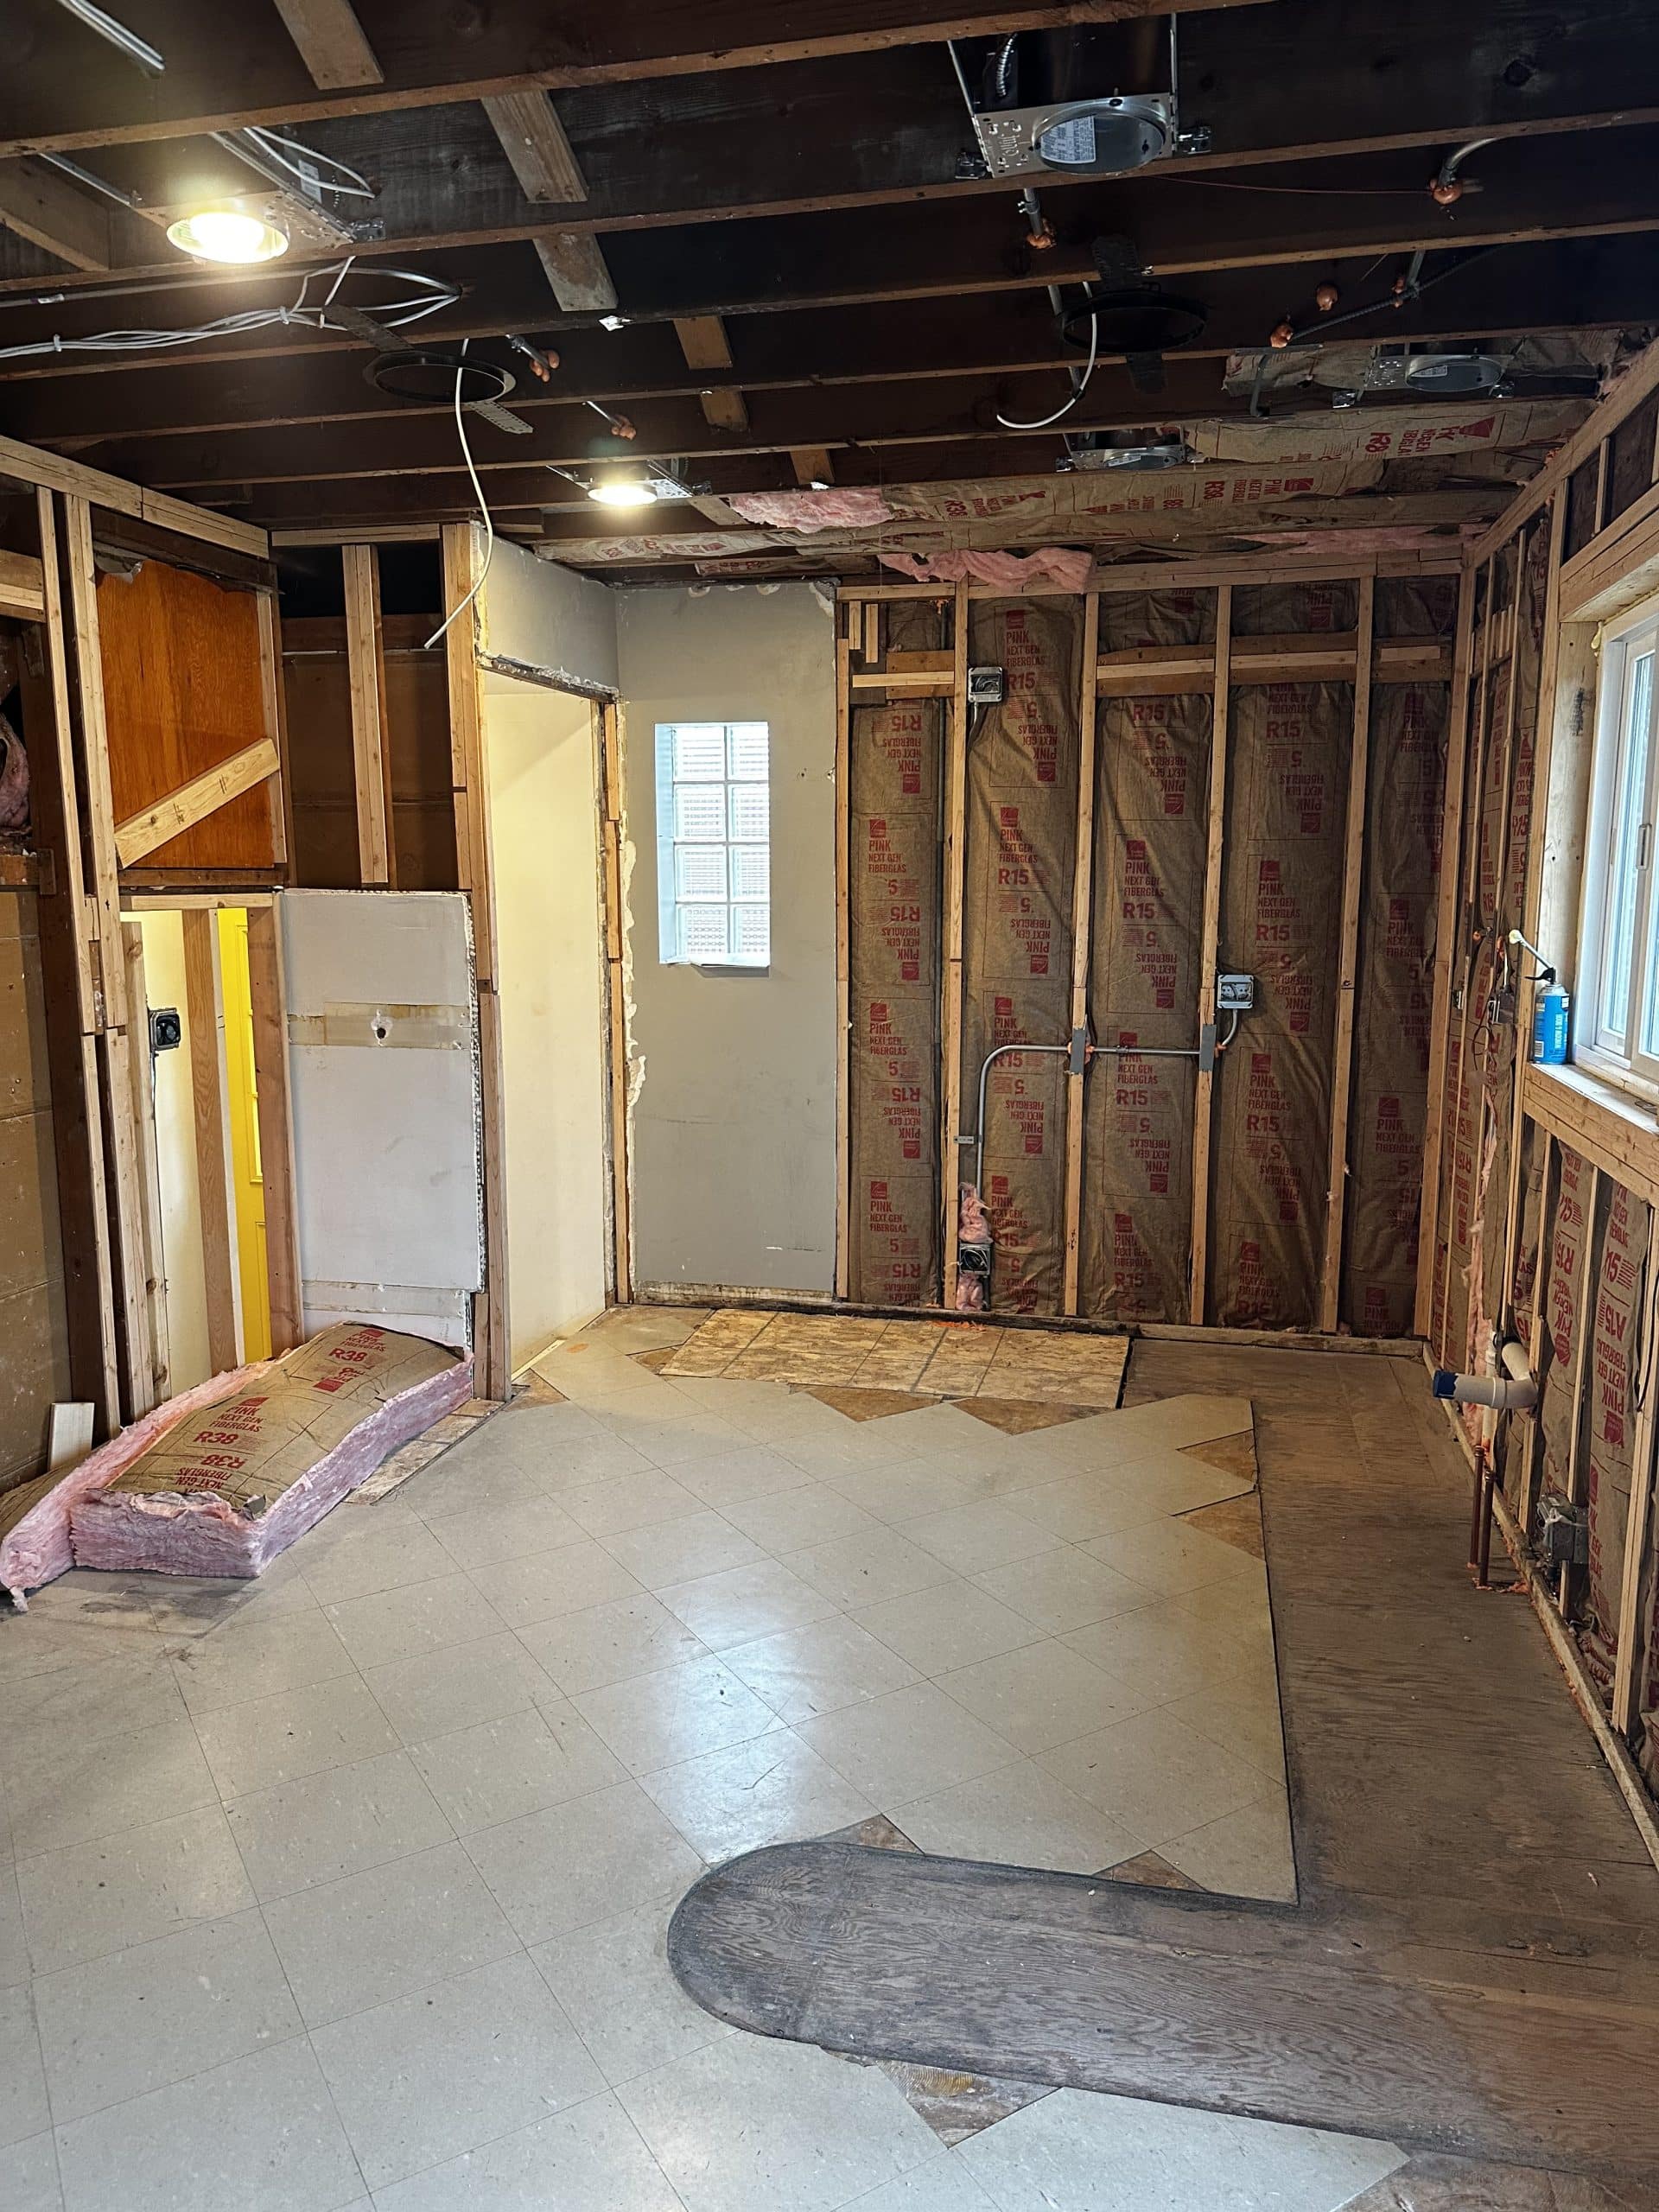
x: 349, y: 1888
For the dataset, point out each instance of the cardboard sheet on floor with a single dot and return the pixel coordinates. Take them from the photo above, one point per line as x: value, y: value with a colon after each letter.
x: 1281, y: 888
x: 1021, y: 861
x: 896, y: 757
x: 225, y: 1488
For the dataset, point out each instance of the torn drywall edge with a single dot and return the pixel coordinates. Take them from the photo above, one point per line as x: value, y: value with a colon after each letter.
x: 548, y: 679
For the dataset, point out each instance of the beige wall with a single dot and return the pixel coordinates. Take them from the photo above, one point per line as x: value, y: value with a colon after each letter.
x: 189, y: 1360
x: 33, y: 1330
x: 734, y: 1126
x: 539, y: 745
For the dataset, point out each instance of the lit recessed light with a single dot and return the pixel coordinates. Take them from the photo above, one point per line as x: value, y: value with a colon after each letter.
x: 227, y: 232
x: 623, y: 492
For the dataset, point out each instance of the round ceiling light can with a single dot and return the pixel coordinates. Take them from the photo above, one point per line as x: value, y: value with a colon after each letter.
x: 227, y: 232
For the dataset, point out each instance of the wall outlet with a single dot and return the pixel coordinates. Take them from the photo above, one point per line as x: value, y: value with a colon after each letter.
x: 166, y: 1029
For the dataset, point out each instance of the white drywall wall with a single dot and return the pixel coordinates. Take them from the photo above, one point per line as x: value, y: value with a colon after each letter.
x: 188, y: 1360
x: 541, y: 756
x: 534, y: 614
x: 733, y: 1127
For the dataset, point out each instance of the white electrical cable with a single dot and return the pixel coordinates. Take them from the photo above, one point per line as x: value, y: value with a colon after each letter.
x: 268, y: 141
x: 431, y: 293
x: 489, y: 527
x: 1094, y: 355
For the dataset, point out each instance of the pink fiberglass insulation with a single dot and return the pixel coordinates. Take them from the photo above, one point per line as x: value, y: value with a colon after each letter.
x: 273, y: 1489
x: 850, y: 509
x: 36, y: 1550
x: 1067, y: 569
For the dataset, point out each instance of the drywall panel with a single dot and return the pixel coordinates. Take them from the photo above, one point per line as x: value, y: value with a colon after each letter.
x: 541, y: 762
x: 734, y: 1071
x: 34, y: 1323
x: 534, y: 614
x: 383, y: 1073
x: 178, y: 1190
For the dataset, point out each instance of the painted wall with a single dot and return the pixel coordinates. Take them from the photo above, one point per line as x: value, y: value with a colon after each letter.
x: 34, y: 1325
x: 188, y: 1360
x: 542, y: 759
x: 733, y: 1145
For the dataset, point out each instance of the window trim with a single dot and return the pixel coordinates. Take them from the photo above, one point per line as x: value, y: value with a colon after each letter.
x: 671, y: 902
x: 1621, y: 1062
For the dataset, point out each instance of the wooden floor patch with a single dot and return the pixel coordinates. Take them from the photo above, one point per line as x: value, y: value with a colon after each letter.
x: 1471, y: 1967
x: 1048, y: 1367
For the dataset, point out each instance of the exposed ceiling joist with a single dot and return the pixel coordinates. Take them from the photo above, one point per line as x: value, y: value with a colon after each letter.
x: 703, y: 342
x: 44, y: 208
x: 575, y: 268
x: 812, y: 465
x: 533, y: 140
x: 331, y: 43
x: 65, y: 96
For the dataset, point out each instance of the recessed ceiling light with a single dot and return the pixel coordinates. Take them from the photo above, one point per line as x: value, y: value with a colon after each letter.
x: 623, y: 492
x: 226, y: 233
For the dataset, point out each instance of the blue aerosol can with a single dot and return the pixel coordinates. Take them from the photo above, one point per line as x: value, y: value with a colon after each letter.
x: 1551, y: 1020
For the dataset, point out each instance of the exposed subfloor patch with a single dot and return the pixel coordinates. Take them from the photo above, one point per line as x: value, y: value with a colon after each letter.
x: 1476, y: 1916
x: 939, y: 1359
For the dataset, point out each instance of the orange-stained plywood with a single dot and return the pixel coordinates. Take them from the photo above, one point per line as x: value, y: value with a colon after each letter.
x: 182, y: 693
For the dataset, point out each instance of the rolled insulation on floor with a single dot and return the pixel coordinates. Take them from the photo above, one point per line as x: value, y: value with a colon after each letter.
x: 1281, y: 892
x: 1152, y: 774
x: 230, y: 1485
x: 1021, y: 859
x: 896, y: 763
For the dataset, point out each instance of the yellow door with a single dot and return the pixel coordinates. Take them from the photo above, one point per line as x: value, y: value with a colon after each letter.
x: 247, y: 1178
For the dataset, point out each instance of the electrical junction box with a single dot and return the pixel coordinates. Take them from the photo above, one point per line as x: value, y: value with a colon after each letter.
x: 1235, y: 993
x: 166, y: 1029
x: 985, y: 687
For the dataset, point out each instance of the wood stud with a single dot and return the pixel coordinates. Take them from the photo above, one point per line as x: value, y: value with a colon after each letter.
x: 1081, y: 941
x: 366, y: 661
x: 1353, y: 873
x: 955, y: 858
x: 1210, y: 939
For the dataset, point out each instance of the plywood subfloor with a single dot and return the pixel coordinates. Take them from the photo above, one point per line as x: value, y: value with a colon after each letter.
x: 937, y: 1359
x: 1472, y: 1967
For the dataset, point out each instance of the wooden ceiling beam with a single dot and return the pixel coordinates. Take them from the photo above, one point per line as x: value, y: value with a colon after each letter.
x: 1556, y: 286
x: 67, y: 92
x: 812, y: 465
x: 705, y: 346
x: 45, y: 208
x: 576, y: 269
x: 534, y: 141
x: 331, y: 43
x: 963, y: 410
x: 1186, y: 221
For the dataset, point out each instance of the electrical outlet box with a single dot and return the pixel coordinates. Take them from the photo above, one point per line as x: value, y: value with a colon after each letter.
x: 166, y: 1029
x: 1235, y: 993
x: 985, y: 687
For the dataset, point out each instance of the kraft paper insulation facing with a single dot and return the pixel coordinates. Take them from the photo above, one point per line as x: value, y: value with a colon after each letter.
x: 1405, y: 779
x: 1565, y: 1309
x: 1151, y: 830
x: 1482, y: 1062
x: 1281, y: 889
x: 1021, y: 857
x: 893, y: 827
x: 1610, y: 1414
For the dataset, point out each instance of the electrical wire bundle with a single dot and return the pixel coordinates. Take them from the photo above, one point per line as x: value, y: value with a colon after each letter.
x: 424, y: 296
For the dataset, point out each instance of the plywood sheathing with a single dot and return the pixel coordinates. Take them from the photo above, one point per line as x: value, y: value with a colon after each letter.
x: 922, y: 1358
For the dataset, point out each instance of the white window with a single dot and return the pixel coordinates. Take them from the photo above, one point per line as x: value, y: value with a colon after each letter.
x: 714, y: 859
x: 1617, y: 1020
